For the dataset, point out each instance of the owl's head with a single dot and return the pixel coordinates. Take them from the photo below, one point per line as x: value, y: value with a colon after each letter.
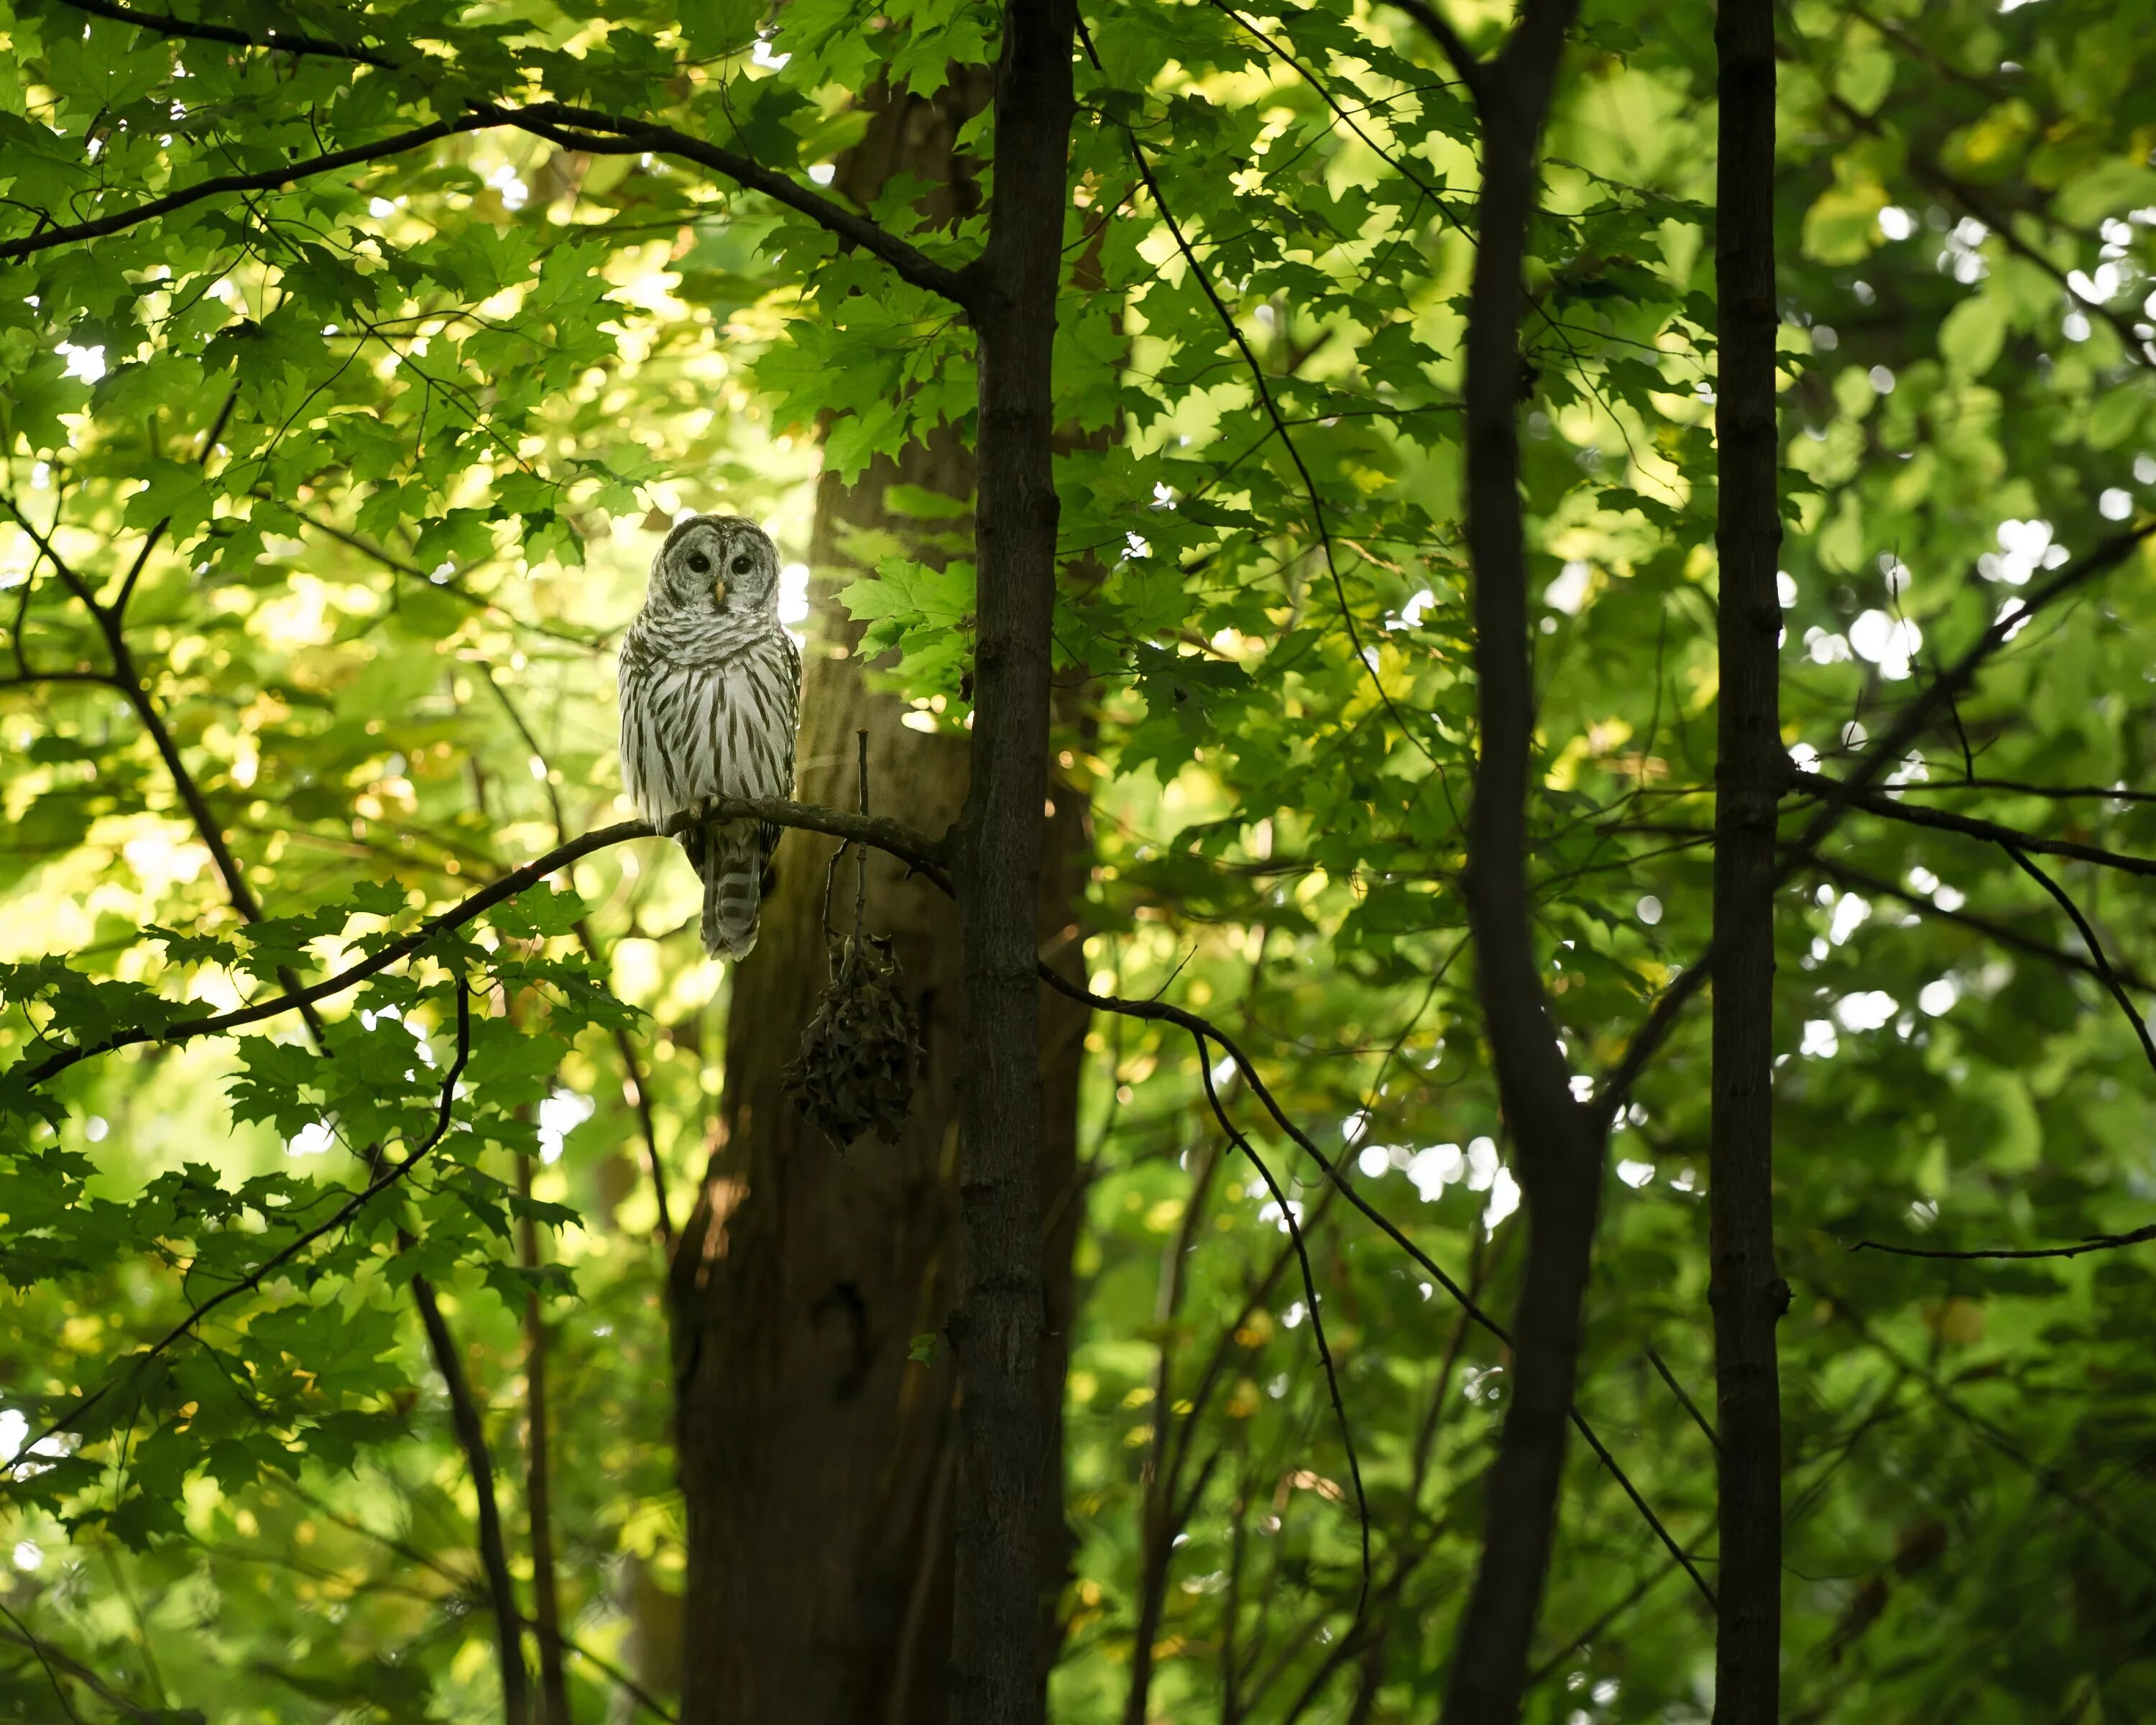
x: 719, y: 564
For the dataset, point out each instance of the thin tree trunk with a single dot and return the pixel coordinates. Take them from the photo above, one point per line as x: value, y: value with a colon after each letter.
x: 493, y: 1552
x: 818, y: 1462
x: 997, y: 1330
x: 1559, y: 1142
x: 538, y: 1488
x: 1747, y: 1294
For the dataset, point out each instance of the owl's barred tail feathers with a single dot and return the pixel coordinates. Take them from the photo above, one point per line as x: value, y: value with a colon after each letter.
x: 730, y: 857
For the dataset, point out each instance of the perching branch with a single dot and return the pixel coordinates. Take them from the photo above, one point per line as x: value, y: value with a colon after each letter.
x: 923, y: 853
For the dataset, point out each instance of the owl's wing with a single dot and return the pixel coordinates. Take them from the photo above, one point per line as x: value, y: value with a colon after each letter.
x: 789, y: 722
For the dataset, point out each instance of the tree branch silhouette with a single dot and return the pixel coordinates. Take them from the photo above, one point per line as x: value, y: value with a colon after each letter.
x: 560, y: 123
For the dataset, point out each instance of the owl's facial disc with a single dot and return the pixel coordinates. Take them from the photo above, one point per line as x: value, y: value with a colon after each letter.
x: 708, y: 559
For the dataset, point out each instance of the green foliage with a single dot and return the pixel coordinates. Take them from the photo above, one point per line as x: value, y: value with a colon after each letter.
x: 360, y: 466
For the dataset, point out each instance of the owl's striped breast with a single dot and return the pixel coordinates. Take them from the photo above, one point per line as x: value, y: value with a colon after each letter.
x: 706, y: 716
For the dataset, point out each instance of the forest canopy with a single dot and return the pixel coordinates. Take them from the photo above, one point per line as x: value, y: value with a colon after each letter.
x: 1458, y: 926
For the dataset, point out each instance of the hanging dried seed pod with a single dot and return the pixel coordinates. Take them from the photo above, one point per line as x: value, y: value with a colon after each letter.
x: 856, y: 1067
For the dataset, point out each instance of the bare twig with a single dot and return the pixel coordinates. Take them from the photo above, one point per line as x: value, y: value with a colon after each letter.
x: 2093, y: 1243
x: 1288, y: 1220
x: 1990, y: 832
x: 51, y: 1658
x: 2111, y: 982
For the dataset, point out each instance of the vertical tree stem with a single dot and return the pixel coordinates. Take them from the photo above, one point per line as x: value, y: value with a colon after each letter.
x: 997, y: 1329
x: 538, y: 1489
x: 494, y: 1554
x: 1747, y: 1294
x: 1559, y: 1141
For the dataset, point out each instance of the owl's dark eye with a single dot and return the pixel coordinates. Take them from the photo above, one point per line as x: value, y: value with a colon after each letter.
x: 741, y: 564
x: 700, y: 563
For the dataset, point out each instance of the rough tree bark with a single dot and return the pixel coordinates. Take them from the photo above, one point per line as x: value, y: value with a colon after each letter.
x: 1746, y: 1293
x: 1560, y: 1142
x: 997, y: 1329
x: 818, y: 1462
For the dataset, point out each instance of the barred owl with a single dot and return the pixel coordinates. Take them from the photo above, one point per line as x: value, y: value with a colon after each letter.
x: 711, y: 685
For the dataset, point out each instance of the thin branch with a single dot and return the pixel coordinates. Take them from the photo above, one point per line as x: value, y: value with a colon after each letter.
x: 1474, y: 72
x: 265, y: 180
x: 2111, y: 982
x: 632, y: 1076
x: 1864, y: 882
x: 608, y: 134
x: 1677, y: 1389
x: 1310, y: 1293
x: 157, y: 532
x: 2093, y: 1243
x: 1936, y: 180
x: 281, y: 41
x: 2019, y: 786
x: 1166, y: 1013
x: 49, y: 1658
x: 1264, y: 389
x: 564, y: 124
x: 1991, y: 832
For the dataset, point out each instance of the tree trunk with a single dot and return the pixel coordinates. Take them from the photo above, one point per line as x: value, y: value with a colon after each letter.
x: 1747, y: 1294
x: 818, y: 1461
x: 998, y: 1329
x: 1560, y: 1142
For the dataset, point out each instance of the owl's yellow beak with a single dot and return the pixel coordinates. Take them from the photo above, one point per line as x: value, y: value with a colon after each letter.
x: 719, y: 592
